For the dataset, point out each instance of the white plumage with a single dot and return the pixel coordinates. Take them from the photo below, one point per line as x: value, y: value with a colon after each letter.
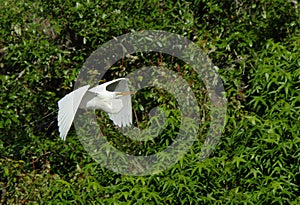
x: 112, y: 97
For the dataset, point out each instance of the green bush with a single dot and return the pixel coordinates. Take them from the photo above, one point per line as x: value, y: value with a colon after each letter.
x: 255, y: 44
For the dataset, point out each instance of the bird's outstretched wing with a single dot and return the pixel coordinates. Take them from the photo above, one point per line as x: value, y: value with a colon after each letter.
x: 68, y: 107
x: 124, y: 117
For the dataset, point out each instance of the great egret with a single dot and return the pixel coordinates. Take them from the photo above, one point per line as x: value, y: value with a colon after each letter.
x: 112, y: 97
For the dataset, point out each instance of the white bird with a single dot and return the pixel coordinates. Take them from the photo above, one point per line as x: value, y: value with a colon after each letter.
x: 112, y: 97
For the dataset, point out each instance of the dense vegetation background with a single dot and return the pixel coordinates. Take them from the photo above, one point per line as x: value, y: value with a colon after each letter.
x: 255, y: 44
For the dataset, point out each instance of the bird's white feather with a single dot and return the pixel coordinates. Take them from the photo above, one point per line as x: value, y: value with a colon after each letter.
x: 67, y: 108
x: 124, y: 117
x: 104, y: 97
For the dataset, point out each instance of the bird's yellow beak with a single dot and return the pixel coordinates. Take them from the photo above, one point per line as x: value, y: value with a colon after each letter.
x: 126, y: 93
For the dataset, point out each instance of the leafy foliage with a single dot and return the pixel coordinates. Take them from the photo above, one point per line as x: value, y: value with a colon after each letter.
x: 255, y: 44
